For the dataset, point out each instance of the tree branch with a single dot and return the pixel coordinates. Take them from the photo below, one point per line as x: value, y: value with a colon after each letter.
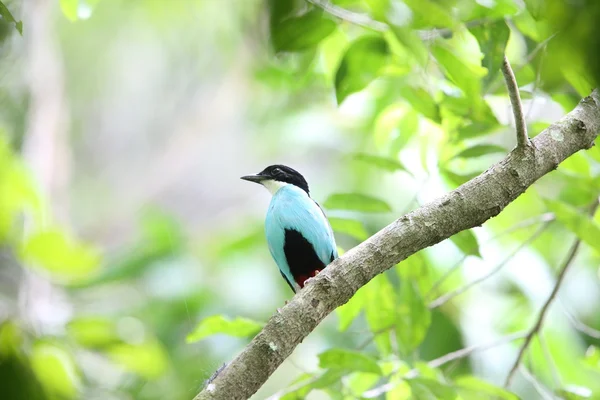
x: 544, y: 310
x: 468, y: 206
x: 515, y: 101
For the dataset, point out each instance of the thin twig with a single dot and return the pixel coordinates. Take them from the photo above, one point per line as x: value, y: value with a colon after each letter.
x: 349, y: 16
x: 547, y: 217
x: 462, y: 353
x: 542, y: 314
x: 515, y: 101
x: 579, y: 325
x: 448, y: 296
x: 537, y: 385
x: 446, y: 358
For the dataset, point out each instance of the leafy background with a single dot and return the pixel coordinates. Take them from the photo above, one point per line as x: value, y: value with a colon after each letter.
x: 133, y: 258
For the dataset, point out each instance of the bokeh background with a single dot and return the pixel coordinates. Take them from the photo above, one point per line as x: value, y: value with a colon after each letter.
x: 125, y: 128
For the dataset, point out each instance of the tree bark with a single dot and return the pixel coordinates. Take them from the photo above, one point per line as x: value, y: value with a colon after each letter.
x: 466, y: 207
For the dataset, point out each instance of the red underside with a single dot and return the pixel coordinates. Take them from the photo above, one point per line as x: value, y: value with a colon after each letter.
x: 300, y: 279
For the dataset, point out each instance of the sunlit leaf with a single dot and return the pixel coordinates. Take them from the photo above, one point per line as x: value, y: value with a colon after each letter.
x: 356, y: 202
x: 350, y: 227
x: 414, y: 317
x: 575, y: 393
x: 480, y: 150
x: 388, y: 164
x: 148, y: 359
x: 7, y: 15
x: 492, y: 38
x: 360, y: 65
x: 69, y: 8
x: 426, y: 389
x: 60, y: 254
x: 93, y: 332
x: 56, y: 370
x: 577, y: 222
x: 466, y: 242
x: 301, y: 32
x: 218, y: 324
x: 470, y: 387
x: 348, y: 360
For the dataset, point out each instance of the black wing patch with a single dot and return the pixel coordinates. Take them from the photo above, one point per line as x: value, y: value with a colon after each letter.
x: 288, y: 282
x: 301, y: 256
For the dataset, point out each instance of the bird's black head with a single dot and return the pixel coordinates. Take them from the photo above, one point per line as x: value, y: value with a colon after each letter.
x: 279, y: 173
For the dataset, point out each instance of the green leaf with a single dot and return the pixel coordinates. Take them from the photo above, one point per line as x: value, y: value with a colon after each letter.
x: 476, y: 129
x: 148, y: 359
x: 480, y: 150
x: 575, y: 393
x: 492, y: 38
x: 413, y: 43
x: 414, y: 317
x: 408, y: 126
x: 429, y: 389
x: 61, y: 255
x: 302, y: 32
x: 467, y: 243
x: 388, y: 164
x: 69, y: 8
x: 470, y: 387
x: 460, y: 59
x: 350, y: 227
x: 422, y: 102
x: 360, y: 65
x: 579, y: 77
x: 7, y: 15
x: 349, y: 311
x: 430, y: 14
x: 577, y: 222
x: 536, y: 8
x: 348, y: 360
x: 356, y: 202
x: 93, y: 332
x: 380, y: 311
x: 56, y: 370
x: 218, y: 324
x: 161, y: 239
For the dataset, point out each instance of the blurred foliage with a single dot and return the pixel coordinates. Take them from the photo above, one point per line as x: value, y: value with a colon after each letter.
x: 419, y: 107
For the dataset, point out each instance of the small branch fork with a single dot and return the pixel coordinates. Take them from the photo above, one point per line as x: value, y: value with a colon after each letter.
x: 515, y: 101
x: 544, y: 310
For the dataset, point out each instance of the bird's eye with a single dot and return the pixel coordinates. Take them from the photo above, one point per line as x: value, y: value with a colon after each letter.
x: 277, y: 171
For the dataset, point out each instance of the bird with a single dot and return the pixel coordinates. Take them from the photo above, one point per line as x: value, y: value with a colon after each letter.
x: 298, y: 232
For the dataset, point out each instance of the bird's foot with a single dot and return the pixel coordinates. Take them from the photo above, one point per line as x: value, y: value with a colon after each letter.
x: 312, y: 277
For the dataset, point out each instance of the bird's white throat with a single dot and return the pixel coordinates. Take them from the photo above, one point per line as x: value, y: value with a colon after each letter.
x: 273, y: 186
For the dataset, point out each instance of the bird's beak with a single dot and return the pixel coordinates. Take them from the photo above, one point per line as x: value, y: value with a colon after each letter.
x: 258, y: 178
